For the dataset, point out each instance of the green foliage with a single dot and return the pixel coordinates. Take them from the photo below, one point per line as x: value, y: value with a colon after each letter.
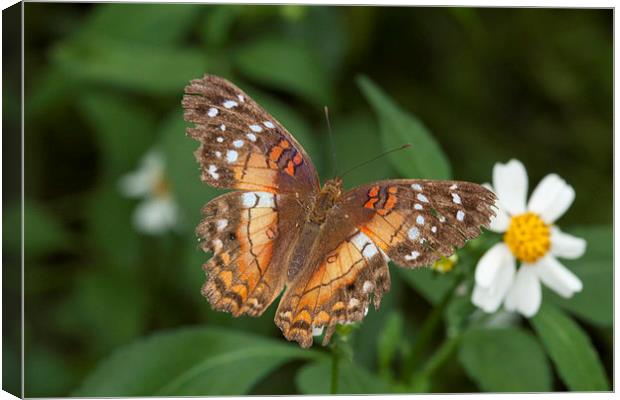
x: 108, y: 306
x: 425, y: 159
x: 315, y: 379
x: 189, y: 362
x: 286, y: 65
x: 595, y: 303
x: 505, y: 360
x: 130, y: 65
x: 571, y: 350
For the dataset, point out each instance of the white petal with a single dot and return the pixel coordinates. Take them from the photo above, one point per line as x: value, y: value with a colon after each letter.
x: 501, y: 220
x: 156, y: 215
x: 510, y: 183
x: 490, y: 263
x: 141, y: 181
x: 557, y: 277
x: 551, y: 198
x: 136, y: 184
x: 565, y: 245
x: 489, y: 299
x: 525, y: 294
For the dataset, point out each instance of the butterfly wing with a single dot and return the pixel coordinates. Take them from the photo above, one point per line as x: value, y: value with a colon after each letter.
x: 243, y: 230
x: 415, y: 222
x: 343, y: 271
x: 241, y: 145
x: 412, y: 222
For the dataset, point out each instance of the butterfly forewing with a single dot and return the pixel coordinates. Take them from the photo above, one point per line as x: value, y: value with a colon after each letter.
x: 415, y: 222
x: 241, y: 145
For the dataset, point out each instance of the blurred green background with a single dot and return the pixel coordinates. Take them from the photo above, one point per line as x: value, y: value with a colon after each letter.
x: 104, y: 84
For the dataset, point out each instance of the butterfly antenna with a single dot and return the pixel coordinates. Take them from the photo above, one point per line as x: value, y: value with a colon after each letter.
x: 331, y: 141
x: 385, y: 153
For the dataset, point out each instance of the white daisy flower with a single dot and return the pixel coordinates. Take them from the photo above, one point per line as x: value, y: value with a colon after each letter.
x: 532, y: 239
x: 158, y: 212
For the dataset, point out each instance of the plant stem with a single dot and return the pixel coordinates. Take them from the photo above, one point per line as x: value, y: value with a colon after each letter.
x: 428, y: 329
x: 335, y: 372
x: 440, y: 356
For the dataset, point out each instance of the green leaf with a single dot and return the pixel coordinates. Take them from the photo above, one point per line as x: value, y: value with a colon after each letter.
x: 287, y: 65
x: 428, y: 282
x: 316, y: 379
x: 389, y: 341
x: 112, y: 235
x: 123, y: 127
x: 43, y: 232
x: 190, y: 362
x: 130, y: 65
x: 570, y: 348
x: 183, y: 171
x: 358, y: 128
x: 505, y: 360
x: 425, y: 159
x: 595, y: 269
x: 157, y: 24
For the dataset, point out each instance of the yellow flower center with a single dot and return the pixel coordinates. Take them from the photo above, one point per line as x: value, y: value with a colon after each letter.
x: 528, y: 237
x: 445, y: 264
x: 162, y: 186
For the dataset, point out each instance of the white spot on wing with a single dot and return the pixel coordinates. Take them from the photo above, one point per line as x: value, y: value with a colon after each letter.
x: 418, y: 206
x: 213, y: 171
x: 368, y: 286
x: 251, y: 136
x: 230, y: 104
x: 212, y: 112
x: 241, y: 98
x: 422, y: 198
x: 221, y: 224
x: 460, y: 215
x: 434, y: 229
x: 360, y: 240
x: 238, y: 143
x: 456, y: 199
x: 417, y: 187
x: 453, y: 186
x: 369, y: 251
x: 353, y: 302
x: 414, y: 255
x: 256, y: 128
x: 413, y: 233
x: 269, y: 124
x: 222, y: 127
x: 419, y: 220
x: 231, y: 156
x: 257, y: 199
x: 218, y: 154
x: 317, y: 331
x: 220, y: 139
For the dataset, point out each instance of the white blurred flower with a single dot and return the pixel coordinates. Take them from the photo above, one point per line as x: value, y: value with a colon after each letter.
x: 158, y: 212
x: 531, y: 238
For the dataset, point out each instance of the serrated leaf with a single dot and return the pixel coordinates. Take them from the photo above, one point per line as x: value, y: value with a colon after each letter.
x: 571, y: 350
x: 425, y: 158
x: 505, y: 360
x: 190, y: 362
x: 316, y: 379
x: 130, y: 65
x: 287, y: 65
x: 595, y: 269
x: 158, y: 24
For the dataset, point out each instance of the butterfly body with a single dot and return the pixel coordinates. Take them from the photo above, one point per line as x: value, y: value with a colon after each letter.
x: 326, y: 248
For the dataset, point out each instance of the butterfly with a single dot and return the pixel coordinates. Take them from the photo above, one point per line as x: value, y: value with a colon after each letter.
x: 280, y: 230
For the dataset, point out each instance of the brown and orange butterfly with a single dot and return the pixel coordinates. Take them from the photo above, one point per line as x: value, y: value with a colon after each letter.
x: 280, y: 229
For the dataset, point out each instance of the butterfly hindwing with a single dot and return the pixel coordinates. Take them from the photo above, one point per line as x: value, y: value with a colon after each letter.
x: 241, y: 145
x: 243, y: 231
x: 415, y: 222
x: 344, y: 273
